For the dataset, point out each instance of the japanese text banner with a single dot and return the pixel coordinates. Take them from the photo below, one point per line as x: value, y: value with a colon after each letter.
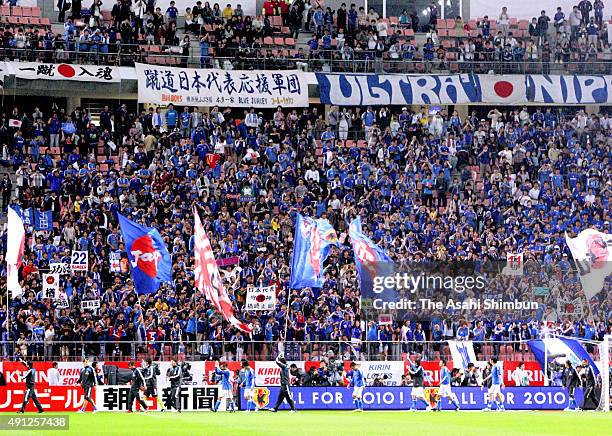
x: 79, y: 73
x: 210, y: 87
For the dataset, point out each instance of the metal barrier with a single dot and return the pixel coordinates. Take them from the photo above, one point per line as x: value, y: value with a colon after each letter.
x: 254, y: 350
x: 318, y: 60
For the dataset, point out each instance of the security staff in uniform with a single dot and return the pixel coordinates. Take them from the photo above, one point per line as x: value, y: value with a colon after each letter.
x: 589, y: 382
x: 285, y: 390
x: 571, y: 381
x: 137, y: 382
x: 175, y: 377
x: 30, y: 380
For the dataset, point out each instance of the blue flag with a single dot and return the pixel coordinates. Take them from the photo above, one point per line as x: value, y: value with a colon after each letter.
x: 43, y: 220
x: 149, y: 258
x: 372, y: 262
x: 560, y: 350
x: 311, y: 246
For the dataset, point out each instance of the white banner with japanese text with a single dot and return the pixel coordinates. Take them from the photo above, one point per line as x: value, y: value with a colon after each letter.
x: 75, y: 72
x: 260, y: 298
x: 211, y: 87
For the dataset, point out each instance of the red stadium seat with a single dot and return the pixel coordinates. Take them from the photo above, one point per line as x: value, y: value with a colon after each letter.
x: 45, y: 21
x: 290, y: 42
x: 268, y: 40
x: 26, y: 11
x: 279, y: 41
x: 35, y: 12
x: 35, y: 20
x: 17, y: 11
x: 440, y: 24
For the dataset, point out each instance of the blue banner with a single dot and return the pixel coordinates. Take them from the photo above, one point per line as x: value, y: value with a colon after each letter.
x: 43, y: 220
x: 398, y: 398
x: 149, y: 258
x: 397, y: 89
x: 400, y: 89
x: 312, y: 243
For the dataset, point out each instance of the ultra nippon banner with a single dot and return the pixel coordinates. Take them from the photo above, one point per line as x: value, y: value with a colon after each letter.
x: 398, y: 398
x: 398, y: 89
x: 211, y: 87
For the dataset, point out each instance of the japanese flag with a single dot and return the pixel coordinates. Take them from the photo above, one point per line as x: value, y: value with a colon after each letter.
x: 14, y: 123
x: 503, y: 89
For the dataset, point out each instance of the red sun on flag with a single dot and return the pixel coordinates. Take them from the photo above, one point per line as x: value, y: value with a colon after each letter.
x: 503, y: 88
x: 66, y: 70
x: 50, y: 280
x: 260, y: 298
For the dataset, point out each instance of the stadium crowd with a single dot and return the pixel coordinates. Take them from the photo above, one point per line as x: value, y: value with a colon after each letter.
x: 342, y: 39
x: 428, y: 185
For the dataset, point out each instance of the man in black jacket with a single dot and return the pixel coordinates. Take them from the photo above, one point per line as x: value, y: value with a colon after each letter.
x: 175, y: 377
x: 137, y: 383
x: 285, y: 380
x: 88, y: 380
x: 30, y: 381
x: 571, y: 381
x: 589, y: 382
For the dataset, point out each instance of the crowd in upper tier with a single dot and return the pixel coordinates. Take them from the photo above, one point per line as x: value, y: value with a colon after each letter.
x: 428, y: 185
x: 347, y: 39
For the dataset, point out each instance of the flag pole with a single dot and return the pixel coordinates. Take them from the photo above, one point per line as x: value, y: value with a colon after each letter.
x: 286, y: 318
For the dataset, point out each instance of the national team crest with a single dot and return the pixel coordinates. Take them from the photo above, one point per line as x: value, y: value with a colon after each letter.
x: 432, y: 397
x: 261, y: 397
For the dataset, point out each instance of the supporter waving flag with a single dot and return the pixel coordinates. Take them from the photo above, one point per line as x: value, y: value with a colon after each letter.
x: 149, y: 258
x: 207, y: 277
x: 312, y: 244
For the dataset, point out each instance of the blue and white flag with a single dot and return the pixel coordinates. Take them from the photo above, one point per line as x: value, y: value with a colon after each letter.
x: 560, y: 350
x: 43, y: 220
x: 149, y: 258
x: 313, y: 241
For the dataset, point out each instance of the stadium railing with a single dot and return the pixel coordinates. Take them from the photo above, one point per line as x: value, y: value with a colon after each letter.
x: 320, y: 60
x: 261, y: 351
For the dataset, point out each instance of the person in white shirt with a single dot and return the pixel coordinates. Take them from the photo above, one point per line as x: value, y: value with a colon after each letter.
x: 312, y: 174
x: 251, y: 119
x: 520, y: 377
x: 503, y: 22
x: 381, y: 28
x: 54, y: 375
